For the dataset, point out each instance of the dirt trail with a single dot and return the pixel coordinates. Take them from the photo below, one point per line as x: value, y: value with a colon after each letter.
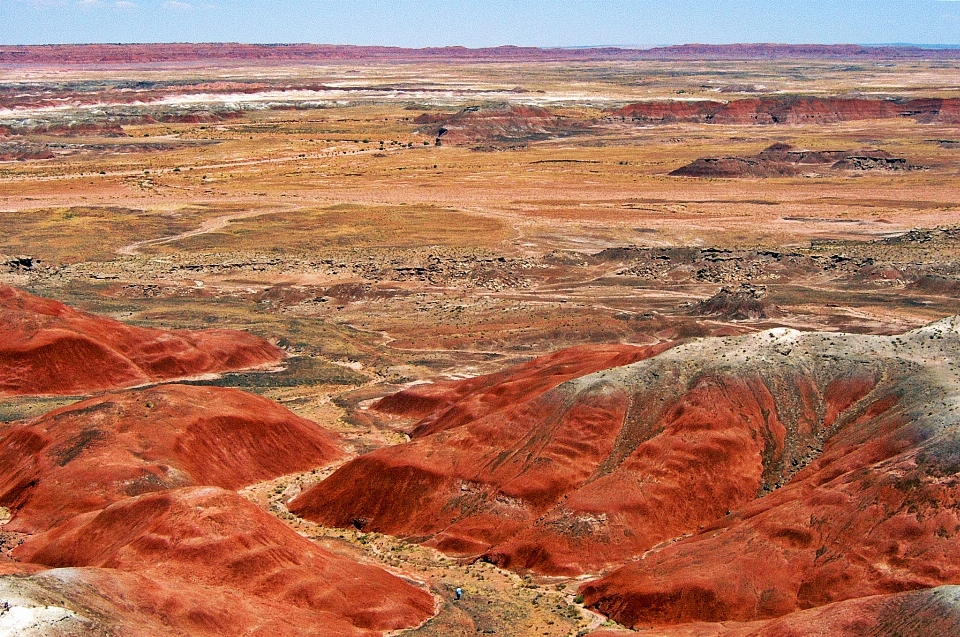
x: 495, y: 601
x: 210, y: 225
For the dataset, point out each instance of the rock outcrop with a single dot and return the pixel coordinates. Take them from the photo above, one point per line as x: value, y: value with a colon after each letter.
x: 495, y: 126
x: 738, y: 304
x: 47, y: 347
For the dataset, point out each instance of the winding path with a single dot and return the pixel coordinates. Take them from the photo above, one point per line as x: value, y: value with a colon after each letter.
x: 210, y: 225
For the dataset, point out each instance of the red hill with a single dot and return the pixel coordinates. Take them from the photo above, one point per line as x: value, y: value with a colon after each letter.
x: 934, y: 611
x: 446, y: 404
x: 756, y: 475
x: 90, y: 454
x: 49, y: 348
x: 209, y: 562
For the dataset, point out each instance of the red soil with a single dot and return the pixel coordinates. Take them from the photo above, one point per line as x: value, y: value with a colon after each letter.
x: 791, y: 110
x: 213, y: 563
x: 90, y: 454
x: 933, y: 611
x: 446, y: 404
x: 876, y: 512
x: 122, y: 604
x: 49, y: 348
x: 26, y: 155
x: 757, y: 476
x: 868, y: 517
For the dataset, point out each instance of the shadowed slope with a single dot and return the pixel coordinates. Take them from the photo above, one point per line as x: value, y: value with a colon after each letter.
x: 87, y: 455
x: 105, y: 488
x: 473, y: 451
x: 49, y: 348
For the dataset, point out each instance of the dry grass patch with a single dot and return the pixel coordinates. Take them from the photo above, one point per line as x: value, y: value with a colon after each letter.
x: 349, y: 226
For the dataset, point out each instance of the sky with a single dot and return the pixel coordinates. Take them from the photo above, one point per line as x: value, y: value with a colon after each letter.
x: 477, y: 23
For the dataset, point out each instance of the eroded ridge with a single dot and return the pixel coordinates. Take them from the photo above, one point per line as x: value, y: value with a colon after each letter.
x: 763, y: 474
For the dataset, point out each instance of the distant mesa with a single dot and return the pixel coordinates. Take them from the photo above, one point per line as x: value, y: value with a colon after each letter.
x: 756, y: 475
x: 731, y: 167
x: 49, y: 348
x: 111, y: 123
x: 495, y: 126
x: 106, y: 54
x: 90, y: 454
x: 206, y: 561
x: 70, y: 129
x: 791, y: 110
x: 738, y: 304
x: 783, y: 160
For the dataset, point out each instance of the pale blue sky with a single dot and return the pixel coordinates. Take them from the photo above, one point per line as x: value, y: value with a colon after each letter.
x: 473, y: 23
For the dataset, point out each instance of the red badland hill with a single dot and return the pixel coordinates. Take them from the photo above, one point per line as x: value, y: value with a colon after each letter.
x: 208, y: 562
x: 49, y: 348
x: 932, y: 611
x: 791, y: 110
x: 781, y: 160
x: 495, y: 125
x: 85, y: 456
x: 806, y: 469
x: 446, y: 404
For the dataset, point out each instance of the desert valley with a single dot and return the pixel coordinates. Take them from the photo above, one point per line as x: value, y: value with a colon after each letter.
x: 355, y: 341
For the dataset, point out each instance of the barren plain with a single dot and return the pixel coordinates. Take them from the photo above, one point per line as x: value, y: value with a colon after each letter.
x: 742, y: 253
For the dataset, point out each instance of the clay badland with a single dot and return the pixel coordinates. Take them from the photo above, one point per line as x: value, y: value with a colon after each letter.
x: 303, y: 340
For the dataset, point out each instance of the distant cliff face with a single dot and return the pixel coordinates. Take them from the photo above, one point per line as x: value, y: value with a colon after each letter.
x: 187, y: 52
x: 790, y: 110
